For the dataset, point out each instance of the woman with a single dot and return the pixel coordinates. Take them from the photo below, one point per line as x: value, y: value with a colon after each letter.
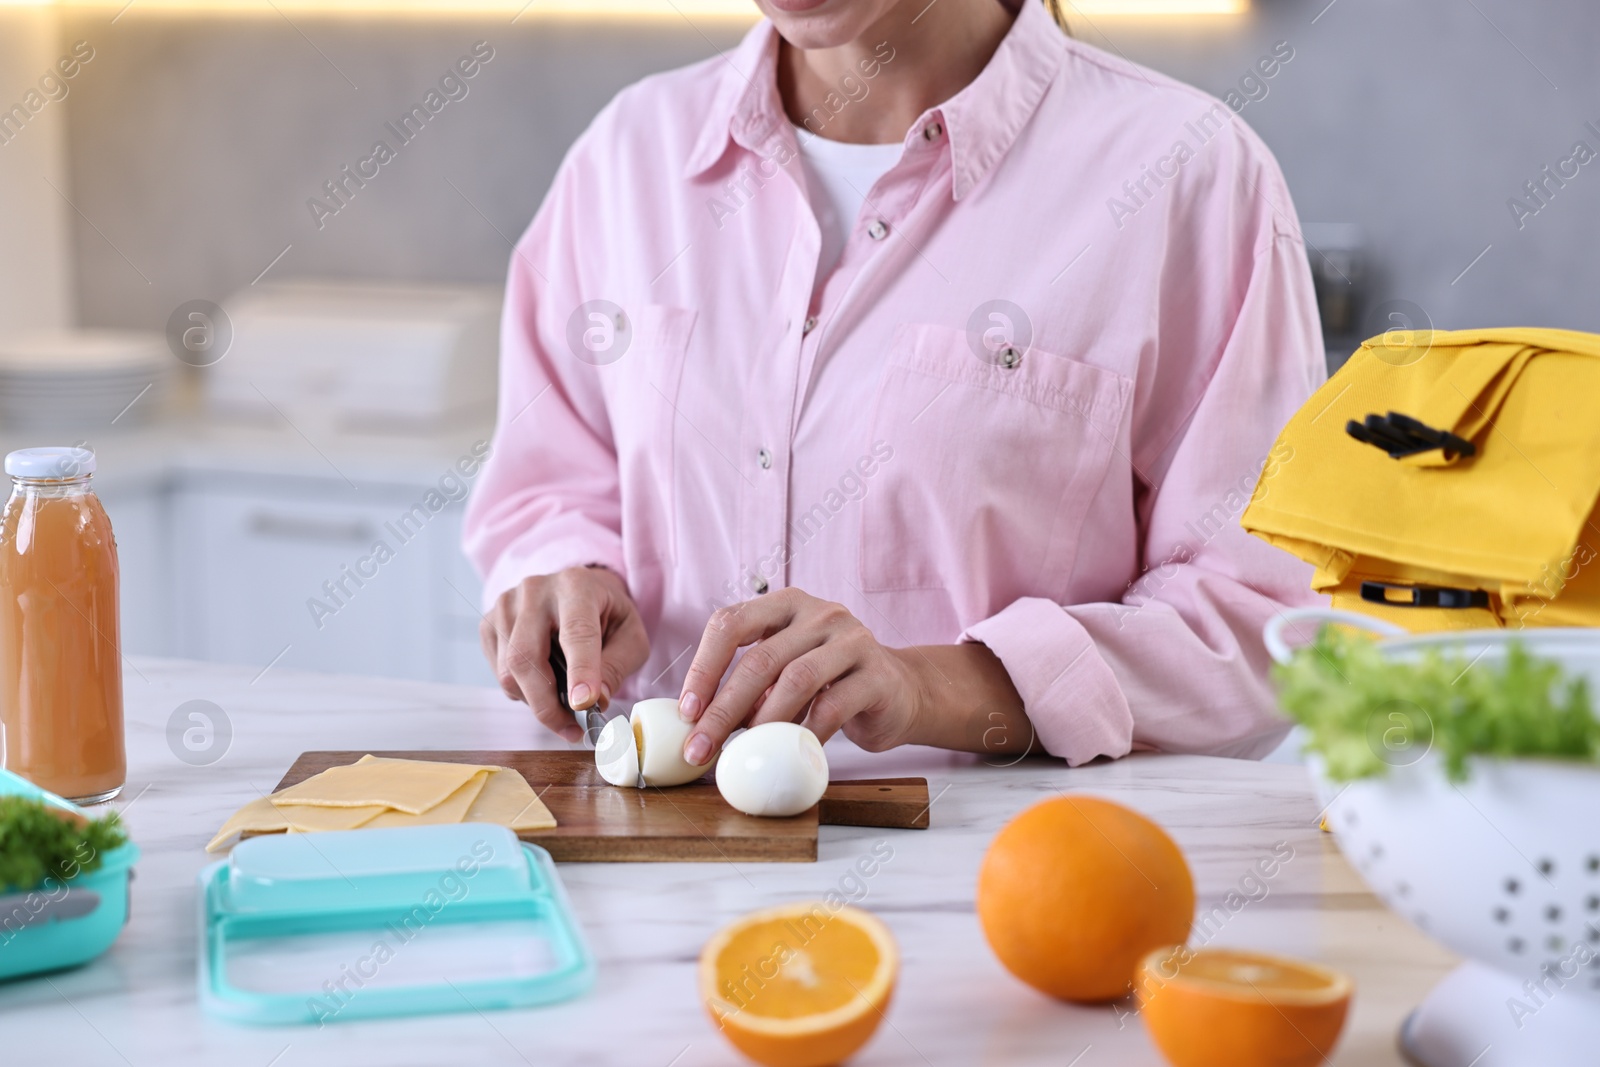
x: 924, y: 354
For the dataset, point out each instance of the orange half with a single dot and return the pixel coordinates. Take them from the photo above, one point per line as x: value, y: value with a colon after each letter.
x: 800, y: 985
x: 1224, y: 1008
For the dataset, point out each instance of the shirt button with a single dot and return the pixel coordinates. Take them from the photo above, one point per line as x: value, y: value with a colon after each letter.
x: 1010, y: 358
x: 809, y: 325
x: 932, y: 131
x: 878, y: 230
x: 764, y: 458
x: 759, y: 585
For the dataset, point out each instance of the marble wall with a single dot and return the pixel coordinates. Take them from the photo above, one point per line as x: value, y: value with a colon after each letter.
x: 194, y: 142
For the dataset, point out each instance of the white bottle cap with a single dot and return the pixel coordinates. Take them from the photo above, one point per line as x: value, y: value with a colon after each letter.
x: 56, y: 462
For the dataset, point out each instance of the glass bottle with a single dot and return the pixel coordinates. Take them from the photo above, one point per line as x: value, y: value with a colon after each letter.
x: 60, y: 642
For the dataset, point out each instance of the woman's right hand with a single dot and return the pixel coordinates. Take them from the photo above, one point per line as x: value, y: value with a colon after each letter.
x: 589, y: 610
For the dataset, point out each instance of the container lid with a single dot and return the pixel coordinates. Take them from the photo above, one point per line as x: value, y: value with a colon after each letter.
x: 56, y: 461
x: 294, y: 874
x: 308, y: 928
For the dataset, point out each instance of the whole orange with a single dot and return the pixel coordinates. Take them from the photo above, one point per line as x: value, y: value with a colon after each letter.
x: 1076, y: 890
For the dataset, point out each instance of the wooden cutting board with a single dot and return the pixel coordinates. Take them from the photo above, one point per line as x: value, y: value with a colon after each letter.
x: 599, y: 823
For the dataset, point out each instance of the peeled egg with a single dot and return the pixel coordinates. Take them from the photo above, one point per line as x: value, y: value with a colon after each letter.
x: 647, y: 747
x: 777, y: 769
x: 615, y: 754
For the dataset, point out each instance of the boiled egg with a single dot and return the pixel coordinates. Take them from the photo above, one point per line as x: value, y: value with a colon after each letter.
x: 616, y: 755
x: 777, y: 769
x: 647, y: 747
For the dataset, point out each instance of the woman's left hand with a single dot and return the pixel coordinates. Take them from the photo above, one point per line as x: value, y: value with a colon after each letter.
x: 809, y: 659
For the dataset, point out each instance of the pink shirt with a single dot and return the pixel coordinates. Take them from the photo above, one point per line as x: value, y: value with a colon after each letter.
x: 1026, y: 408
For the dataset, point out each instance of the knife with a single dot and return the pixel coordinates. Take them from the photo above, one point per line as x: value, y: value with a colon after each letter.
x: 592, y: 719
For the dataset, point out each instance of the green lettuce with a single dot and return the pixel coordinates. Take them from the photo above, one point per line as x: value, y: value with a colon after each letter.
x: 37, y: 842
x: 1365, y: 712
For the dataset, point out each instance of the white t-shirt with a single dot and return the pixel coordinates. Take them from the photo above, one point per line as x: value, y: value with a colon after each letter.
x: 838, y: 178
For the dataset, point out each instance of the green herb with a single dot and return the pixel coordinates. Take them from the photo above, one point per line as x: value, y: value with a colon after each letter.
x: 1366, y: 712
x: 40, y: 841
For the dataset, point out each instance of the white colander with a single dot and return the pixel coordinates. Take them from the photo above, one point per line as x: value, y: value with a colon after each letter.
x: 1503, y: 868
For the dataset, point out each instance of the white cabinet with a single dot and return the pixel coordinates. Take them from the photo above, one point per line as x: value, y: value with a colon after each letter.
x: 320, y: 577
x: 239, y: 545
x: 457, y: 593
x: 139, y: 521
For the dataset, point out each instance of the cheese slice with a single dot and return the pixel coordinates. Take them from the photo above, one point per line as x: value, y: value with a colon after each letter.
x: 508, y: 799
x: 449, y: 810
x: 412, y: 786
x: 258, y: 816
x: 380, y: 792
x: 311, y: 818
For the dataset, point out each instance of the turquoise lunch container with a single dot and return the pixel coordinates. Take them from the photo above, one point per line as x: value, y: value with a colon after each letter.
x: 62, y: 924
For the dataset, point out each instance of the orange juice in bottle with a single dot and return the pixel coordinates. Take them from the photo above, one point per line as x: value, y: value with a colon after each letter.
x: 60, y: 644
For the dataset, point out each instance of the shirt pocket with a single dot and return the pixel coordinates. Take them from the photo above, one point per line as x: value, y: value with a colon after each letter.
x: 645, y: 422
x: 993, y: 468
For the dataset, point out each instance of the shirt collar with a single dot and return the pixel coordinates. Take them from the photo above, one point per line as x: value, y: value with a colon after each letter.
x: 746, y: 107
x: 982, y: 120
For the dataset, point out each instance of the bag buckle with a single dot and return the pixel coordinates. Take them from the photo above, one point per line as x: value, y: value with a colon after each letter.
x: 1424, y: 596
x: 1401, y: 435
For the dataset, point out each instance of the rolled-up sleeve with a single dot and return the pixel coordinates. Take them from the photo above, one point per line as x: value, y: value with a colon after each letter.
x: 1177, y: 664
x: 548, y: 495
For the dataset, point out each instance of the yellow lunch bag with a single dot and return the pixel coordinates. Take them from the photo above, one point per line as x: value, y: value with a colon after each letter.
x: 1447, y: 480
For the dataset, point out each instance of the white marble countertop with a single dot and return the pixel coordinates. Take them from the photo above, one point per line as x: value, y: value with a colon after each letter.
x: 955, y: 1004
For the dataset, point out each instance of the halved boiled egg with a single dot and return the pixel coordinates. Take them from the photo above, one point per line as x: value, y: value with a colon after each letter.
x: 616, y: 755
x: 647, y: 747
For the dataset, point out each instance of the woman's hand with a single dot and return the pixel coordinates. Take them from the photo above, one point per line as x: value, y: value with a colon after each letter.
x: 814, y: 660
x: 601, y: 635
x: 811, y: 659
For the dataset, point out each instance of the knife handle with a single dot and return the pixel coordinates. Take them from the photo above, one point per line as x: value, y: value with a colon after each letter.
x: 590, y: 720
x: 558, y: 667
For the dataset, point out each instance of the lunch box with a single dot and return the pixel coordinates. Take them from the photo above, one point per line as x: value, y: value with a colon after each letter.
x: 62, y: 924
x: 313, y: 928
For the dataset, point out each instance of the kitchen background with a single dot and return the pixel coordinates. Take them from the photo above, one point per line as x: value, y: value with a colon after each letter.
x: 170, y: 175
